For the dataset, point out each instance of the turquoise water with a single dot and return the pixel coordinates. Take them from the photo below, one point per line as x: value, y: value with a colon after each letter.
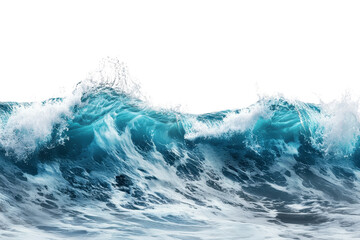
x: 102, y: 164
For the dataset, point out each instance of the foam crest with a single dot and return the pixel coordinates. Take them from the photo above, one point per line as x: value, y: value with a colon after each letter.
x: 233, y: 122
x: 339, y: 127
x: 32, y: 125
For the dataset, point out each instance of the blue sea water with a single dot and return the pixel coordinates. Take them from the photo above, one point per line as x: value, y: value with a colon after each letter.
x: 102, y: 164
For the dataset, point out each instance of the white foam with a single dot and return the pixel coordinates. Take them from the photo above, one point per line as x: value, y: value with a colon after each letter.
x: 233, y: 122
x: 30, y: 125
x: 339, y: 127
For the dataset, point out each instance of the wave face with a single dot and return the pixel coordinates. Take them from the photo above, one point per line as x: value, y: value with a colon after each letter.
x: 102, y: 164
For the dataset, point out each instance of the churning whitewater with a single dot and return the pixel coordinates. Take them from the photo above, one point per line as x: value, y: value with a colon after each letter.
x: 103, y: 164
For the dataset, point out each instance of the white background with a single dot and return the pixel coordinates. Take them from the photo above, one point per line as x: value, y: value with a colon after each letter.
x: 204, y: 55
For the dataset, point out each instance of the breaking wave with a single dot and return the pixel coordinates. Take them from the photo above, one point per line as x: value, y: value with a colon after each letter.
x: 101, y: 163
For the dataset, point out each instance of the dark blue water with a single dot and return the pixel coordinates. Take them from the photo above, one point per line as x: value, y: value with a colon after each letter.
x: 101, y: 164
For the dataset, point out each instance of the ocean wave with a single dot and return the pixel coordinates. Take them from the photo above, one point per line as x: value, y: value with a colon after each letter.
x: 103, y: 163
